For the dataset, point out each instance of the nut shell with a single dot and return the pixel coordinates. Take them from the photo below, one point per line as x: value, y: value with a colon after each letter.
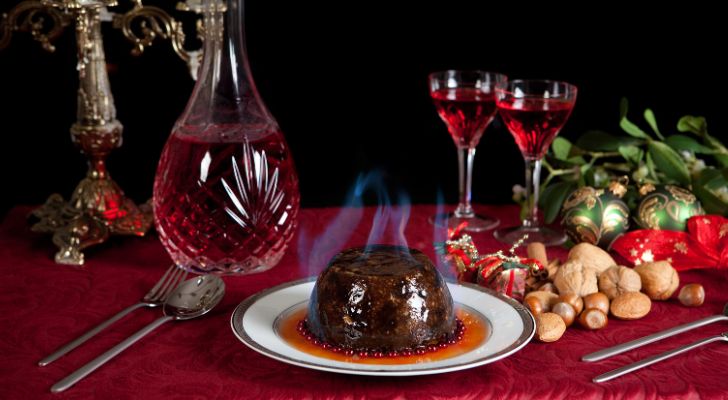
x: 616, y: 280
x: 549, y: 327
x: 574, y: 301
x: 534, y: 305
x: 692, y: 295
x: 600, y: 301
x: 659, y: 279
x: 631, y: 305
x: 591, y: 256
x: 547, y: 299
x: 573, y: 277
x: 565, y: 311
x: 593, y: 318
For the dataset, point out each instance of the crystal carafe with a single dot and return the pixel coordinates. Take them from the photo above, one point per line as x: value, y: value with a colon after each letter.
x: 226, y: 193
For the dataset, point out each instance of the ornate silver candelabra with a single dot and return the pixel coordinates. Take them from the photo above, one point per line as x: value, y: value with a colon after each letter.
x: 98, y: 207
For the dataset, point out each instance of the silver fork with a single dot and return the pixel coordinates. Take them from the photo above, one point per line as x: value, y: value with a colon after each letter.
x: 156, y: 297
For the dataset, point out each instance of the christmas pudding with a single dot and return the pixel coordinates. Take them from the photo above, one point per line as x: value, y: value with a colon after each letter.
x: 382, y: 298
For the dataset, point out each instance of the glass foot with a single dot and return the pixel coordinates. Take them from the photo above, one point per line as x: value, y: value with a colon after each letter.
x: 547, y: 236
x: 476, y: 223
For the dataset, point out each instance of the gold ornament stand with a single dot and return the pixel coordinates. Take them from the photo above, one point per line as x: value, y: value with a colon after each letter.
x: 98, y: 207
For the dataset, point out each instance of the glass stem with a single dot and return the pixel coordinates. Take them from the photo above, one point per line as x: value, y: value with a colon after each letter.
x: 533, y: 183
x: 465, y: 169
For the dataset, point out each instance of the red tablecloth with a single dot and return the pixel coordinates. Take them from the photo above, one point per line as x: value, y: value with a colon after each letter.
x: 44, y: 305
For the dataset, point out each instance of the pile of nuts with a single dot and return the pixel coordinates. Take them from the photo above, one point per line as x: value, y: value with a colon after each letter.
x: 590, y: 286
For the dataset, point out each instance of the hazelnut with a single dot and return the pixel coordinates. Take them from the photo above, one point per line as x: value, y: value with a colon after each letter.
x: 574, y: 301
x: 534, y: 305
x: 549, y: 327
x: 692, y: 295
x: 565, y: 311
x: 659, y: 279
x: 573, y: 277
x: 591, y: 256
x: 593, y: 318
x: 631, y: 305
x: 616, y: 280
x: 598, y: 300
x: 547, y: 299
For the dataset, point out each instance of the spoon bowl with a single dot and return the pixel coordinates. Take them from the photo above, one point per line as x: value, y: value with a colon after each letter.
x: 194, y: 297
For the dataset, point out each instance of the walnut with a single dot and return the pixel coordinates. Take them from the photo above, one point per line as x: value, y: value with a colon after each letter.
x: 659, y: 279
x: 591, y: 256
x: 574, y: 277
x: 617, y: 280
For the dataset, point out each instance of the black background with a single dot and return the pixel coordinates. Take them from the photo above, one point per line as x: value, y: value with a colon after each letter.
x: 347, y: 83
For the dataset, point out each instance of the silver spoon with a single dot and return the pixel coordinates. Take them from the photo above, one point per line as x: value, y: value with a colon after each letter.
x: 191, y: 299
x: 621, y: 348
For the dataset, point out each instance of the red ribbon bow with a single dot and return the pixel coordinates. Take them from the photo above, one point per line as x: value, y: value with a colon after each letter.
x: 704, y: 245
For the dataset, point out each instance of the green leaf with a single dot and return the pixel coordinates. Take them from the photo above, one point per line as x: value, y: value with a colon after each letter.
x: 721, y: 153
x: 650, y: 118
x: 602, y: 141
x: 627, y: 125
x: 669, y: 162
x: 631, y: 153
x: 553, y: 197
x: 682, y: 142
x: 711, y: 203
x: 578, y: 160
x: 696, y: 125
x: 561, y: 148
x: 651, y: 168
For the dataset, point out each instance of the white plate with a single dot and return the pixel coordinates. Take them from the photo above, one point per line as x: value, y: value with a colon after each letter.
x: 511, y: 328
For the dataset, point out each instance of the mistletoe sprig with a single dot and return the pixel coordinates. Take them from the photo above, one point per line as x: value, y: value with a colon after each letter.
x: 691, y: 158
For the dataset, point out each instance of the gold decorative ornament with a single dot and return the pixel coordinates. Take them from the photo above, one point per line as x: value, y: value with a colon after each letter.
x: 98, y: 207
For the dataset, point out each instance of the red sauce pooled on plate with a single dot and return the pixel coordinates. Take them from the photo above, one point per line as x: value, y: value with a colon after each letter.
x: 477, y: 331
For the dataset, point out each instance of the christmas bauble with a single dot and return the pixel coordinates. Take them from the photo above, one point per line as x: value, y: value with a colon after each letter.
x: 666, y: 207
x: 596, y: 216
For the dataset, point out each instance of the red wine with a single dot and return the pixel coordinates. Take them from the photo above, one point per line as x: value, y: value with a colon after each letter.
x: 224, y: 204
x: 466, y: 111
x: 534, y: 123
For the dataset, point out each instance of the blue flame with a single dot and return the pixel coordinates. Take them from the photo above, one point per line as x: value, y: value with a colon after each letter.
x: 388, y: 224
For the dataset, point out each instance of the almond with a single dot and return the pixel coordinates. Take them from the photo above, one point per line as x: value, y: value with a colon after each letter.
x: 631, y: 305
x: 549, y: 327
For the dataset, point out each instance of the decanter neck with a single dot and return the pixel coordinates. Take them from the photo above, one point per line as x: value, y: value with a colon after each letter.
x: 225, y: 92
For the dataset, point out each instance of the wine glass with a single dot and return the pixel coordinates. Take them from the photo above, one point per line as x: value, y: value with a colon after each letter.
x: 465, y: 101
x: 534, y: 112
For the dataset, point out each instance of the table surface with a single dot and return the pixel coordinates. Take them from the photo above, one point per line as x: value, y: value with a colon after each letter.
x: 45, y: 305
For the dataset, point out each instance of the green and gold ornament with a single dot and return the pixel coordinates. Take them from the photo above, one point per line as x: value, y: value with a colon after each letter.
x: 666, y: 207
x: 596, y: 216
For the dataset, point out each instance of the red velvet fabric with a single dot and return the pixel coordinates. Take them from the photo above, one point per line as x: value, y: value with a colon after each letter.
x: 44, y: 305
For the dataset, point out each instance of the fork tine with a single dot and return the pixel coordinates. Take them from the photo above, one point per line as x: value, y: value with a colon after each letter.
x: 155, y: 290
x: 168, y: 285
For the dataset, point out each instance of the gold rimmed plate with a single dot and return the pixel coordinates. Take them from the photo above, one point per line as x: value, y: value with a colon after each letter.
x: 256, y: 322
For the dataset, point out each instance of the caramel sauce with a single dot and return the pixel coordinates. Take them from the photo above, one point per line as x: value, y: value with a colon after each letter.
x: 477, y: 331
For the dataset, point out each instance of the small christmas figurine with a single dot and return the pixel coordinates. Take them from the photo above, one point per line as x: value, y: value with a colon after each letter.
x: 506, y: 274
